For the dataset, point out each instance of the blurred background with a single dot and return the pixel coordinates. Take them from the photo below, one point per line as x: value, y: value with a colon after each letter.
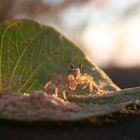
x: 107, y: 30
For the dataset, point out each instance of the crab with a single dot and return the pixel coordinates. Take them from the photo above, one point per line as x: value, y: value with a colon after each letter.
x: 62, y: 84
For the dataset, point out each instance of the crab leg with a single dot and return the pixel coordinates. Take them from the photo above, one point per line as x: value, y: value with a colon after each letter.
x: 47, y: 84
x: 64, y: 94
x: 99, y: 91
x: 56, y: 92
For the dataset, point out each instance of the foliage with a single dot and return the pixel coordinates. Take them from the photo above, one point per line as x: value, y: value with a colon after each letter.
x: 30, y: 53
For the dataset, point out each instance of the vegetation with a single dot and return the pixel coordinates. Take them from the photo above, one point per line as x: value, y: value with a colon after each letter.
x: 31, y: 53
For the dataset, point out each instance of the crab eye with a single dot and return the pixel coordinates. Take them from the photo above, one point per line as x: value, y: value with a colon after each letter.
x: 71, y: 66
x: 80, y: 66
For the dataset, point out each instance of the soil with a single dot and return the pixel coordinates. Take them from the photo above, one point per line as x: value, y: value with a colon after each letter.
x: 123, y: 127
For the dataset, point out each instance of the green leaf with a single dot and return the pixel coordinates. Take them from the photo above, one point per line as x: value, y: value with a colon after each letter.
x: 31, y: 53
